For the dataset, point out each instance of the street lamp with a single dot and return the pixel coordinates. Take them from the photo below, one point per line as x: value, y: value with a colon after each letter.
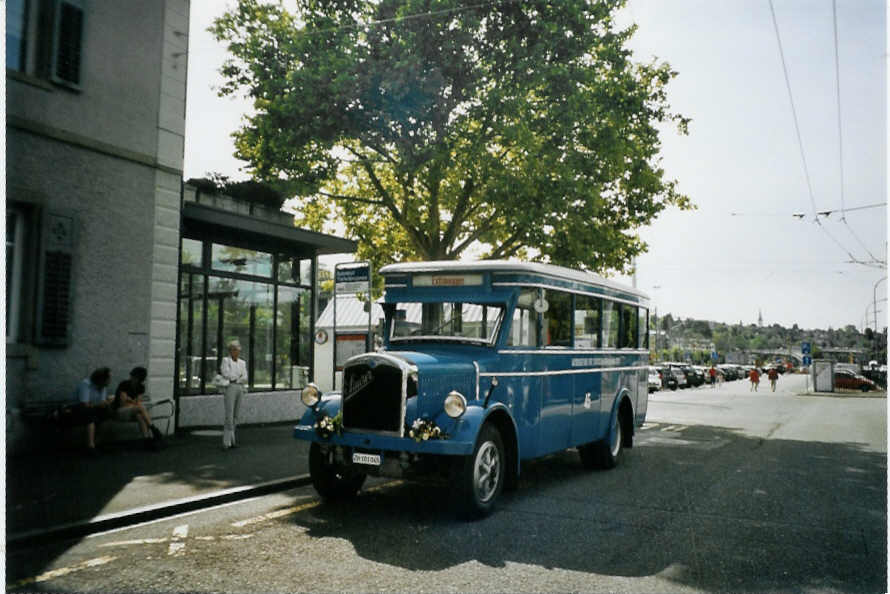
x: 874, y: 295
x: 655, y: 317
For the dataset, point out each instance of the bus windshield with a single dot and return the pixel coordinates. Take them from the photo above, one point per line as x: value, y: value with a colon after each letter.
x: 448, y: 321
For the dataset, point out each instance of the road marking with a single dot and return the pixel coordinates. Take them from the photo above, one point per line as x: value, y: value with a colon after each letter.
x: 177, y: 547
x: 62, y: 571
x: 141, y: 541
x: 675, y: 428
x: 302, y: 507
x: 276, y: 514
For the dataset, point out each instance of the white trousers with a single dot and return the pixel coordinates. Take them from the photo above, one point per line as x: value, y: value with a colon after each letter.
x: 232, y: 401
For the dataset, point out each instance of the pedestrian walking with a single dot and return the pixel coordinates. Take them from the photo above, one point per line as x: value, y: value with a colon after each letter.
x: 712, y: 372
x: 773, y: 375
x: 233, y: 380
x: 754, y: 376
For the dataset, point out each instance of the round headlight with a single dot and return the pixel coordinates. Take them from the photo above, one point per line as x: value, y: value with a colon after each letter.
x: 310, y: 395
x: 455, y: 404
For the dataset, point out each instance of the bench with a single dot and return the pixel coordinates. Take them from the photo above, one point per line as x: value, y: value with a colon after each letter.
x: 45, y: 419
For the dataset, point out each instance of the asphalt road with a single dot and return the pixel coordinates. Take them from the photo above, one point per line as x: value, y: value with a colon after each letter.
x: 725, y: 490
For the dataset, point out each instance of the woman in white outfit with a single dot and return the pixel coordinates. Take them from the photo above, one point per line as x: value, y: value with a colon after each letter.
x: 234, y: 375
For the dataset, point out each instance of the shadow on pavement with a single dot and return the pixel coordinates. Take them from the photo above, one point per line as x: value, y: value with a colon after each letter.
x: 708, y: 508
x: 51, y: 488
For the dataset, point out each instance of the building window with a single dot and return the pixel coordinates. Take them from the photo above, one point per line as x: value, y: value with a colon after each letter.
x: 44, y: 38
x: 67, y: 42
x: 230, y: 293
x: 15, y: 245
x: 16, y: 34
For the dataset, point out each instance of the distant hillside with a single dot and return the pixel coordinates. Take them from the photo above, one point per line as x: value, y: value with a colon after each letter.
x: 699, y: 337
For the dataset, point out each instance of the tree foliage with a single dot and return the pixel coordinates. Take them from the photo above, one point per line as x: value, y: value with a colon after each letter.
x: 430, y: 126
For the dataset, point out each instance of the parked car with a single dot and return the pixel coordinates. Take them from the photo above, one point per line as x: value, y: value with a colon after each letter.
x: 846, y: 379
x: 691, y: 378
x: 730, y: 373
x: 694, y: 375
x: 677, y: 372
x: 654, y: 379
x: 668, y: 379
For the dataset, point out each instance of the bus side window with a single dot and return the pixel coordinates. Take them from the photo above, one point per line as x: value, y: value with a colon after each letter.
x: 628, y: 326
x: 557, y: 319
x: 610, y: 324
x: 587, y: 322
x: 523, y: 330
x: 643, y: 342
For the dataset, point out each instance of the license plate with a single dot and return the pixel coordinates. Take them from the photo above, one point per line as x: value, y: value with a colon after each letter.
x: 369, y: 459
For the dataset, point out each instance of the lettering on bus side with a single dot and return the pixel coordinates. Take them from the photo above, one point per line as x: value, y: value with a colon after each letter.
x: 591, y: 362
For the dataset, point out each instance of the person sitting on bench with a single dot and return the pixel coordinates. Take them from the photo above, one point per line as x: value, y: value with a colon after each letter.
x: 128, y: 406
x: 92, y: 404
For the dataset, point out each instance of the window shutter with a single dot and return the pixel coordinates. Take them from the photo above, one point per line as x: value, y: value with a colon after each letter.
x: 55, y: 281
x: 67, y: 43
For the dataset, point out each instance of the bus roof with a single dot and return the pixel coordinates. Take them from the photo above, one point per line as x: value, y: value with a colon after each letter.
x: 504, y: 266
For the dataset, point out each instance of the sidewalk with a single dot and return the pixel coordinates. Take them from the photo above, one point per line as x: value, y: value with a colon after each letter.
x: 51, y: 492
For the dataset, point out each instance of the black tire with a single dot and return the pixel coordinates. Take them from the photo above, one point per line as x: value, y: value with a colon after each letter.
x: 330, y: 480
x: 480, y: 477
x: 865, y: 387
x: 603, y: 454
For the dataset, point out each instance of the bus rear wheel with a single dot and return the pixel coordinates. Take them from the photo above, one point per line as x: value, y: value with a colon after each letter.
x: 480, y: 476
x: 331, y: 480
x: 603, y: 454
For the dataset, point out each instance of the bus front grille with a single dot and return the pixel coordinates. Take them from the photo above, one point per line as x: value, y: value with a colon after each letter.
x: 372, y: 398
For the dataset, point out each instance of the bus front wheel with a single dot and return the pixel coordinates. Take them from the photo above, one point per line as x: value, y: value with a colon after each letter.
x: 331, y: 480
x: 480, y: 476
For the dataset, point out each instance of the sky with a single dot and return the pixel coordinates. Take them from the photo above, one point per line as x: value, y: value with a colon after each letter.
x: 742, y: 253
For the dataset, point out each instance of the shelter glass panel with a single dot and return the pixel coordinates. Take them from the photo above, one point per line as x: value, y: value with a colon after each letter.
x: 192, y: 253
x: 293, y: 324
x: 226, y: 258
x: 191, y: 336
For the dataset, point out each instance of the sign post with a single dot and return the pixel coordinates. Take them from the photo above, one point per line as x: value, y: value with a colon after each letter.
x: 351, y: 278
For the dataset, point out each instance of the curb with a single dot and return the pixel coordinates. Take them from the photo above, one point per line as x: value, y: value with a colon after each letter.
x: 850, y: 394
x: 150, y: 512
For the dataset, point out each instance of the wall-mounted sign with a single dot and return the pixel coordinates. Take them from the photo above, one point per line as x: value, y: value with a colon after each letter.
x: 321, y: 336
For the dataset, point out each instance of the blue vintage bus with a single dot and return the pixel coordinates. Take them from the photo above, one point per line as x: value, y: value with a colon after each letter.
x: 484, y: 364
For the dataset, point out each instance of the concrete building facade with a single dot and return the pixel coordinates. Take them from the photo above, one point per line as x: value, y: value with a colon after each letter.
x: 94, y: 151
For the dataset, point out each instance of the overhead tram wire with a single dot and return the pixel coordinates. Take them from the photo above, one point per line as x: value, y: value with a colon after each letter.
x: 840, y: 135
x: 800, y: 215
x: 800, y: 140
x: 408, y: 17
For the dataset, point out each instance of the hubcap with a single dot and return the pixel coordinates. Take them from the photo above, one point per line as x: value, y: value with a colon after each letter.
x: 616, y: 437
x: 487, y: 471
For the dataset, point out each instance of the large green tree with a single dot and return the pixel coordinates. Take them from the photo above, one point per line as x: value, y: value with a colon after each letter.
x: 426, y: 127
